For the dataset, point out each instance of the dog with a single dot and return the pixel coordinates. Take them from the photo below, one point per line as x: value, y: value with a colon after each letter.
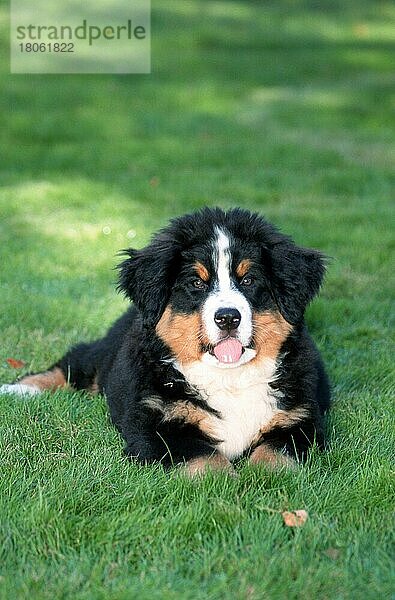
x: 213, y: 361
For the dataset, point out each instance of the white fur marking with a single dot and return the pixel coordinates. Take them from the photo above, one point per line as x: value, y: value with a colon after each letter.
x: 19, y: 389
x: 225, y: 295
x: 222, y: 261
x: 243, y: 397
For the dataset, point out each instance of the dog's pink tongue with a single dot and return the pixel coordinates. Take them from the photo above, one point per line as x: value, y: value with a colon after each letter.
x: 228, y: 351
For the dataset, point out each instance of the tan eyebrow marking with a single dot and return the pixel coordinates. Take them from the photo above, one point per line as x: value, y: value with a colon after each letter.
x: 202, y: 271
x: 243, y: 267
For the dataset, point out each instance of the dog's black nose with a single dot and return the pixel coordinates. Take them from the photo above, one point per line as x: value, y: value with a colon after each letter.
x: 227, y: 318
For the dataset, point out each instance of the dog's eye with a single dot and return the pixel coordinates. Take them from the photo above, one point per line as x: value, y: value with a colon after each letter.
x: 247, y: 280
x: 199, y: 284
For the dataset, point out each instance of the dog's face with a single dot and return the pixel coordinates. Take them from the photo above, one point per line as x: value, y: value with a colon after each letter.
x: 222, y: 288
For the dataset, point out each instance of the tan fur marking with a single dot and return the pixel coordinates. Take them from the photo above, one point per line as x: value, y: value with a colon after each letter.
x: 287, y: 418
x: 243, y: 267
x: 193, y: 415
x: 182, y: 333
x: 94, y: 387
x: 270, y: 331
x: 284, y: 419
x: 184, y: 411
x: 271, y: 458
x: 49, y: 380
x: 199, y: 466
x: 155, y: 402
x: 202, y: 271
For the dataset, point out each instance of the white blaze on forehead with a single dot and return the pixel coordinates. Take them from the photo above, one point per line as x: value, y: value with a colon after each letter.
x: 225, y: 294
x: 222, y: 260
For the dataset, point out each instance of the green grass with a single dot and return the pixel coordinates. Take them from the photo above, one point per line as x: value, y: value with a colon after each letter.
x: 283, y: 107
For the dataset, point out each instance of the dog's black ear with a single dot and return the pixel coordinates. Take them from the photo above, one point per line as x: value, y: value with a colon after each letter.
x: 147, y: 276
x: 296, y: 275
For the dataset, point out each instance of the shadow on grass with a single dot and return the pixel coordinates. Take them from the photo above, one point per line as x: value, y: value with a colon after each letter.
x: 209, y: 61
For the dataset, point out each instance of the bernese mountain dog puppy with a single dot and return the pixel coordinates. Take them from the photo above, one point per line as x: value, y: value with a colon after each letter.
x: 213, y: 361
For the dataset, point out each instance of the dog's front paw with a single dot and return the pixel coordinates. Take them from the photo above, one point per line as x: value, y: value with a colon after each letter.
x: 196, y: 467
x: 270, y: 458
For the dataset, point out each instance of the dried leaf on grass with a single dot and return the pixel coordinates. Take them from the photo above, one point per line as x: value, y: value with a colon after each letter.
x: 295, y: 518
x: 14, y: 363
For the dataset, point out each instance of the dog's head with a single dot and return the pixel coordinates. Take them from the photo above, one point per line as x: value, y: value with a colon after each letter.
x: 221, y: 287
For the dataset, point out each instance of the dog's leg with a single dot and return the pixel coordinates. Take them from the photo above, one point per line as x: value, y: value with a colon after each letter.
x: 76, y: 370
x: 30, y: 385
x: 270, y: 457
x: 196, y: 467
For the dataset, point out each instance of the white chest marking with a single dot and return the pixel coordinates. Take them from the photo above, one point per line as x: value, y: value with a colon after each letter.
x: 241, y: 395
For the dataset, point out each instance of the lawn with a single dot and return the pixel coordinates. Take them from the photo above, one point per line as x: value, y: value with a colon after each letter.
x: 281, y: 107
